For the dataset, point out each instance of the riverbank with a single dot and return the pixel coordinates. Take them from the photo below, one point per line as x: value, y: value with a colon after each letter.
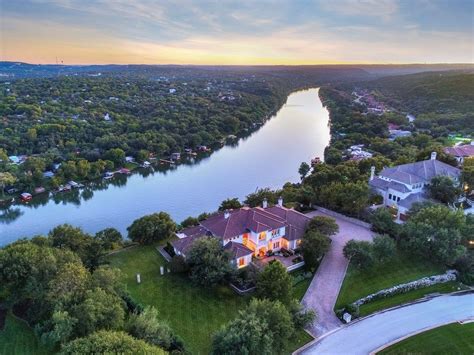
x: 265, y: 158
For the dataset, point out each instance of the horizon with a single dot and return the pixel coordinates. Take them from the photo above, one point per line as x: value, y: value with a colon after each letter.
x: 209, y: 33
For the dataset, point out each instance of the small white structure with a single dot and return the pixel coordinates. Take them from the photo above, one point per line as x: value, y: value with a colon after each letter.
x: 107, y: 117
x: 162, y: 270
x: 139, y: 280
x: 347, y: 317
x: 172, y: 91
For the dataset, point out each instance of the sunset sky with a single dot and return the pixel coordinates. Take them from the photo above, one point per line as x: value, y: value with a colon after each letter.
x: 237, y: 32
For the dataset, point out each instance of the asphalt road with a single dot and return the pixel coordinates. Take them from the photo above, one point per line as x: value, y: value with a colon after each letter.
x: 369, y: 334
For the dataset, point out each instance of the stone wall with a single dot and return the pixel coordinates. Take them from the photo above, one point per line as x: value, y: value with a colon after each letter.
x: 450, y: 275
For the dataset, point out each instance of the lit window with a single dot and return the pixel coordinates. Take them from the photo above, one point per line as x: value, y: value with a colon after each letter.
x: 241, y: 261
x: 262, y: 236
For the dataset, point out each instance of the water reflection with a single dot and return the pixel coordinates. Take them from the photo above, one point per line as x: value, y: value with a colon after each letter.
x: 268, y: 157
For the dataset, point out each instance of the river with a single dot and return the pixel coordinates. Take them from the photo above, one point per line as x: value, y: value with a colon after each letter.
x: 269, y: 157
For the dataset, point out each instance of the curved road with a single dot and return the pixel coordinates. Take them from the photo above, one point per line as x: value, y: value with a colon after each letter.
x: 373, y: 332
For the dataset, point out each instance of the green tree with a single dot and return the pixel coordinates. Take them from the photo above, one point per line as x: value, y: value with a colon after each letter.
x: 382, y: 222
x: 313, y: 246
x: 444, y: 189
x: 152, y: 228
x: 230, y: 204
x: 189, y: 222
x: 115, y: 155
x: 278, y: 319
x: 359, y: 253
x: 436, y: 233
x: 59, y: 329
x: 208, y: 261
x: 110, y: 238
x: 324, y: 225
x: 384, y: 248
x: 304, y: 170
x: 83, y: 168
x: 5, y: 180
x: 275, y: 284
x: 110, y: 342
x: 99, y: 310
x: 148, y: 326
x: 246, y: 334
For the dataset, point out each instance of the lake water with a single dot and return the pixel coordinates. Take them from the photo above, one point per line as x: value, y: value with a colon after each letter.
x: 268, y: 158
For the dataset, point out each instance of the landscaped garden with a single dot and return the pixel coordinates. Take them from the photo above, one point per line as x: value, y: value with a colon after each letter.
x: 18, y: 338
x: 194, y: 313
x: 453, y: 338
x: 401, y: 269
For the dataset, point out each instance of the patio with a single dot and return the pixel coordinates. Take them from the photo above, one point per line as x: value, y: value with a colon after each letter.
x: 286, y: 261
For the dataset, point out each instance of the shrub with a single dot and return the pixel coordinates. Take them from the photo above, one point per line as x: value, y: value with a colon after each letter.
x: 178, y: 265
x: 384, y: 248
x: 359, y: 253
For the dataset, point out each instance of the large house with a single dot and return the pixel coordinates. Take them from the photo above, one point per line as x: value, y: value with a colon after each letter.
x: 403, y: 185
x: 461, y: 152
x: 248, y: 232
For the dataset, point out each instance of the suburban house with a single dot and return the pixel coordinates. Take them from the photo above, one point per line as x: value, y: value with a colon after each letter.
x: 403, y: 185
x: 461, y: 152
x: 248, y: 232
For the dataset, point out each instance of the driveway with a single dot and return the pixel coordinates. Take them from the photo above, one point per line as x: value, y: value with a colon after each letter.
x: 373, y: 332
x: 324, y: 288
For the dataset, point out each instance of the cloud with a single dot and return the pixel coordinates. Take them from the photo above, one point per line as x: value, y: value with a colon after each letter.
x: 212, y: 32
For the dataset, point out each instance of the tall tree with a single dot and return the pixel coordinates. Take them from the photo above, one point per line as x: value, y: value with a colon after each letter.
x: 152, y: 228
x: 274, y: 283
x: 209, y: 262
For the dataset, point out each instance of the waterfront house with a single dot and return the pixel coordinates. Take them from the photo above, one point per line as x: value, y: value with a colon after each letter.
x: 248, y: 232
x: 403, y: 185
x: 461, y: 152
x: 175, y: 156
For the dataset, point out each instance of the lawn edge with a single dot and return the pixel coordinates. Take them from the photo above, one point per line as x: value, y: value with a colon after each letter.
x: 393, y: 342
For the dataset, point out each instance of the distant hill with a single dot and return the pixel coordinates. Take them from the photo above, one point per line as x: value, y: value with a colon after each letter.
x: 442, y: 92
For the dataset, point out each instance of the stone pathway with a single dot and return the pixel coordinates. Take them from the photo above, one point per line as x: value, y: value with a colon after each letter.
x: 324, y: 288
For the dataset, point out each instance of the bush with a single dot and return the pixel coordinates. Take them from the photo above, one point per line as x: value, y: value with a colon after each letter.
x: 178, y: 265
x: 465, y: 266
x: 384, y: 248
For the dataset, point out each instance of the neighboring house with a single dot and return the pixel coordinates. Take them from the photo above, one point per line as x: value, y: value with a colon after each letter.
x: 461, y: 152
x: 248, y: 232
x: 398, y: 133
x: 403, y: 185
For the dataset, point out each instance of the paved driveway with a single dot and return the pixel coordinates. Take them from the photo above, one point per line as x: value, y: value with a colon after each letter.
x: 373, y: 332
x: 324, y: 288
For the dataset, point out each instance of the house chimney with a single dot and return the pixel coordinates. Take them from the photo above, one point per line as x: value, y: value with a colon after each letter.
x: 372, y: 172
x: 226, y: 214
x: 265, y: 203
x: 433, y: 156
x: 280, y: 201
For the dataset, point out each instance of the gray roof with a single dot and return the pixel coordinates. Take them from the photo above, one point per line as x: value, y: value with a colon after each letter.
x: 420, y: 172
x: 411, y: 199
x: 385, y: 185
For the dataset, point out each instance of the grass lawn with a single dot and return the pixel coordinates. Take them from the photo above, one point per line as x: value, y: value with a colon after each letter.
x: 385, y: 303
x: 301, y: 338
x: 401, y: 269
x: 449, y: 339
x: 18, y: 338
x: 194, y: 313
x: 300, y: 288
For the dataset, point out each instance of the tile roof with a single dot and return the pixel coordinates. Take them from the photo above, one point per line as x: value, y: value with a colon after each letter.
x: 183, y: 245
x: 420, y: 172
x: 466, y: 150
x: 237, y: 250
x: 247, y: 219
